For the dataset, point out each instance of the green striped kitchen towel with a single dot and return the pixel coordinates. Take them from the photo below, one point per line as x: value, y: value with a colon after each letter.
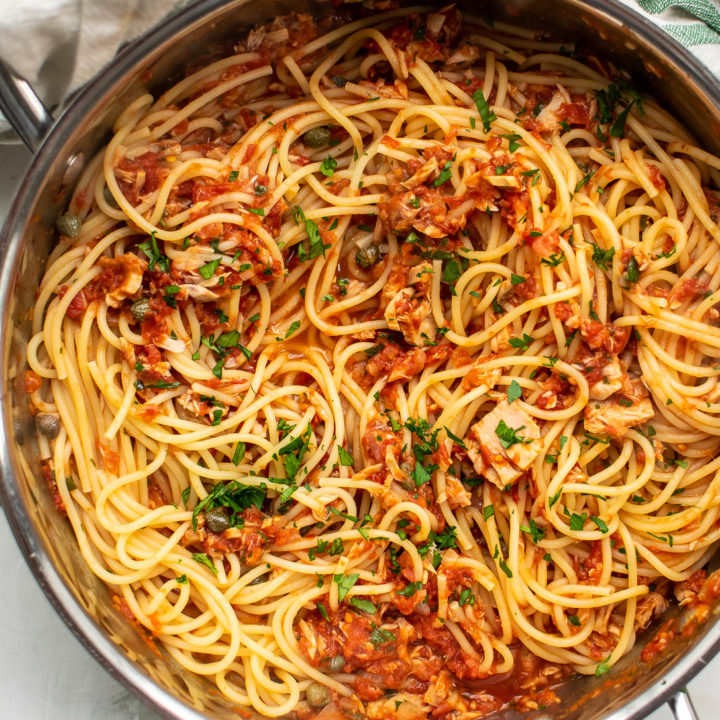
x: 694, y: 23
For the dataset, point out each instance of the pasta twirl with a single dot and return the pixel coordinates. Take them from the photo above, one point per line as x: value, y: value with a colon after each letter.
x: 379, y: 361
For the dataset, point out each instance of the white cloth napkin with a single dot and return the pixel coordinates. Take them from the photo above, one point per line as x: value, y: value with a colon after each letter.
x: 57, y: 45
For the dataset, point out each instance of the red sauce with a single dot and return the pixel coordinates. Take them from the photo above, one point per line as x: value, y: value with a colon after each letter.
x: 378, y: 438
x: 251, y: 540
x: 419, y: 655
x: 32, y: 382
x: 660, y: 642
x: 607, y: 336
x: 148, y: 164
x: 78, y: 305
x: 687, y: 289
x: 49, y: 475
x: 546, y: 244
x: 110, y: 459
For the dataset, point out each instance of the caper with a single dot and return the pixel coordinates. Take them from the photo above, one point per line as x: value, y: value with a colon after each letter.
x: 218, y: 519
x: 317, y: 695
x: 48, y: 425
x: 336, y: 663
x: 368, y: 256
x: 109, y: 197
x: 317, y: 137
x: 69, y: 224
x: 140, y: 309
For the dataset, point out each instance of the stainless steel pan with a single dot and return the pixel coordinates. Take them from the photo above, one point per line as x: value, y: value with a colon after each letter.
x: 658, y: 65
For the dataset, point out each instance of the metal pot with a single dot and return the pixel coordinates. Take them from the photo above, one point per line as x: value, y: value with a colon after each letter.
x: 659, y: 66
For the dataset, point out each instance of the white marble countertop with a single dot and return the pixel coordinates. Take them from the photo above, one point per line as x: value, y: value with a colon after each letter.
x: 46, y: 674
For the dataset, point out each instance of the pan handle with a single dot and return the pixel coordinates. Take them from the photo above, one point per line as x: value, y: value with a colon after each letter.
x: 682, y: 707
x: 22, y: 108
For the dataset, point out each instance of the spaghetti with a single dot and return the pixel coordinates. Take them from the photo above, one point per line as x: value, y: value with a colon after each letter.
x: 377, y: 366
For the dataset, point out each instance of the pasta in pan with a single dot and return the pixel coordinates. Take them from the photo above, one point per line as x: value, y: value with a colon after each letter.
x: 376, y: 368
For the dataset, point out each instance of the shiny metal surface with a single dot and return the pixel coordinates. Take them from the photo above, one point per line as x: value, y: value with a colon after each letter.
x: 682, y: 707
x: 658, y: 66
x: 23, y: 108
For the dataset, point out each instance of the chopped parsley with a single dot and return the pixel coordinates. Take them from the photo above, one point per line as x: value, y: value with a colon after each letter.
x: 505, y: 568
x: 379, y: 637
x: 239, y: 453
x: 584, y: 181
x: 203, y: 559
x: 618, y: 127
x: 554, y: 260
x: 364, y: 605
x: 466, y: 597
x: 632, y: 274
x: 345, y: 457
x: 444, y: 176
x: 208, y: 269
x: 486, y: 114
x: 321, y: 608
x: 514, y: 392
x: 317, y: 247
x: 452, y: 271
x: 426, y: 445
x: 458, y: 441
x: 513, y: 143
x: 602, y: 667
x: 669, y: 539
x: 535, y: 532
x: 344, y: 583
x: 156, y: 258
x: 233, y: 495
x: 437, y: 542
x: 521, y: 343
x: 602, y: 258
x: 292, y: 453
x: 509, y: 436
x: 410, y: 589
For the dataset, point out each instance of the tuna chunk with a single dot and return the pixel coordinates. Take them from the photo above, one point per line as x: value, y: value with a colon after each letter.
x: 421, y: 174
x: 499, y: 464
x: 409, y: 310
x: 686, y: 592
x: 651, y: 606
x: 617, y: 415
x: 611, y: 381
x: 122, y: 277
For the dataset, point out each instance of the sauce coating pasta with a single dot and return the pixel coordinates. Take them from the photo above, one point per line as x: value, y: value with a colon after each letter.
x: 376, y: 367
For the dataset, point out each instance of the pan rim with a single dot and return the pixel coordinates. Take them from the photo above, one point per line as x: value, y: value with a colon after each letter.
x: 104, y: 650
